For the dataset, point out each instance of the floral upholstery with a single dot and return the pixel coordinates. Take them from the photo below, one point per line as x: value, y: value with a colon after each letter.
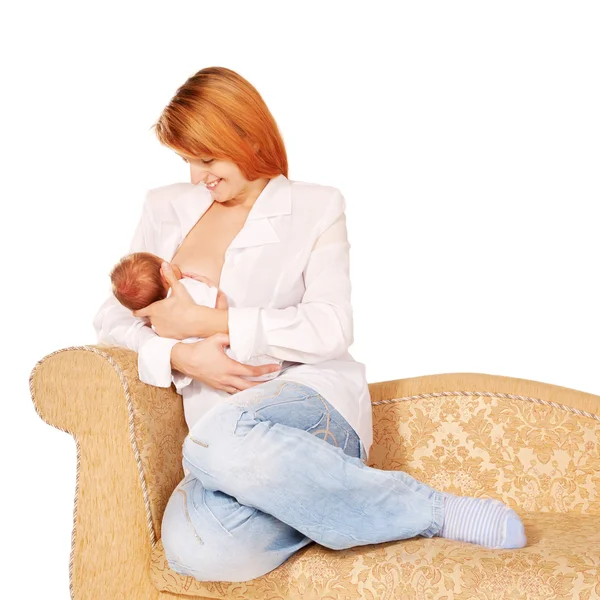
x: 535, y: 446
x: 543, y: 461
x: 558, y: 563
x: 532, y: 456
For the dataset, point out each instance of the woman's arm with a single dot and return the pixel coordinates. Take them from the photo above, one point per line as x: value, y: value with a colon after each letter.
x: 116, y: 325
x: 321, y: 326
x: 178, y: 316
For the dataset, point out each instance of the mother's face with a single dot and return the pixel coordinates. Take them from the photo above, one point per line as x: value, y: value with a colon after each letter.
x: 231, y: 185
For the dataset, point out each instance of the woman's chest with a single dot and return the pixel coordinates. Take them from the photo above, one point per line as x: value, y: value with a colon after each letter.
x: 255, y: 262
x: 202, y: 251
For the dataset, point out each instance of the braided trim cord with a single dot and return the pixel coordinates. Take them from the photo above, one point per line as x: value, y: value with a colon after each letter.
x: 576, y: 411
x: 131, y: 426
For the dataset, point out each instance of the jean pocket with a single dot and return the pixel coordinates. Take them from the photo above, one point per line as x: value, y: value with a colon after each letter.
x: 226, y: 510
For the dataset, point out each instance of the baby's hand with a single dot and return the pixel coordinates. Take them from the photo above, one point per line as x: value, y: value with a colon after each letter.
x: 221, y: 302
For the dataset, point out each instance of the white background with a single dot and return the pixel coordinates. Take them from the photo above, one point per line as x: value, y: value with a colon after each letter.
x: 463, y: 135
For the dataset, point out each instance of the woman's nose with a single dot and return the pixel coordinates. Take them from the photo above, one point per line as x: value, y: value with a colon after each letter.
x: 197, y: 174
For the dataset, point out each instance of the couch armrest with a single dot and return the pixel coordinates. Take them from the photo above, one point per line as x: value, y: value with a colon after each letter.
x: 129, y: 437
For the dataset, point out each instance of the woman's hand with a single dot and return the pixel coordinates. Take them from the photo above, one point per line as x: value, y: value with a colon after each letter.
x: 207, y: 362
x: 177, y: 316
x: 221, y: 297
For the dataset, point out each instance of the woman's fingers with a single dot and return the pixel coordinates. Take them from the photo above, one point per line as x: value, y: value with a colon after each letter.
x: 240, y: 369
x: 236, y: 370
x: 238, y: 384
x: 142, y: 312
x: 255, y: 371
x: 230, y: 390
x: 200, y: 278
x: 221, y: 301
x: 168, y: 274
x: 222, y: 340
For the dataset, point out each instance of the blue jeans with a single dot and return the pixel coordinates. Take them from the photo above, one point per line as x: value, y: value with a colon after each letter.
x: 273, y: 469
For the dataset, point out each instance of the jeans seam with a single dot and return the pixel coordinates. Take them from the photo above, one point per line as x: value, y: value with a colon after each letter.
x: 212, y: 514
x: 410, y: 489
x: 187, y: 516
x: 288, y: 401
x: 437, y: 510
x: 346, y: 442
x: 197, y: 467
x: 311, y: 427
x: 327, y: 429
x: 187, y: 570
x: 260, y: 398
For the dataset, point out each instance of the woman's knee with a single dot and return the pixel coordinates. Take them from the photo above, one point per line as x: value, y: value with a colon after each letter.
x: 212, y: 441
x: 180, y: 539
x: 212, y: 537
x: 218, y: 422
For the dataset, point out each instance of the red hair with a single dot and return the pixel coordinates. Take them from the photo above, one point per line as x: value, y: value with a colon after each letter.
x: 217, y: 112
x: 136, y: 280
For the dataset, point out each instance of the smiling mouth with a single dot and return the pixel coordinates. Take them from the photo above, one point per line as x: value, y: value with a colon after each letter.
x: 213, y: 185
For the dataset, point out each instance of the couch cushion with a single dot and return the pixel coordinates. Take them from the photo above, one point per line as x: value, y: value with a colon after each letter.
x: 561, y: 561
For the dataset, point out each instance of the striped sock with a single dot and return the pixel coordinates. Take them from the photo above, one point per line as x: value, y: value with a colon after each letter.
x: 482, y: 521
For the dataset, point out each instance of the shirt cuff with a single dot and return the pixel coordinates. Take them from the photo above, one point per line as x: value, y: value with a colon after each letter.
x: 154, y: 361
x: 242, y: 322
x: 180, y: 380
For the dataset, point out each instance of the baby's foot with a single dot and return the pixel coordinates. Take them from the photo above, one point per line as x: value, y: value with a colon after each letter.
x: 482, y: 521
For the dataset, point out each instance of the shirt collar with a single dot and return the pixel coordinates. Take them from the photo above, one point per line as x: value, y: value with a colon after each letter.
x: 274, y: 200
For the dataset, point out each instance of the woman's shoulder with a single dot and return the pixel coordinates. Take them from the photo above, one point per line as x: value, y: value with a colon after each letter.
x: 314, y: 189
x: 168, y: 192
x: 325, y: 201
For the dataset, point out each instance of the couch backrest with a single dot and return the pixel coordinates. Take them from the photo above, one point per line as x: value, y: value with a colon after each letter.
x: 532, y: 454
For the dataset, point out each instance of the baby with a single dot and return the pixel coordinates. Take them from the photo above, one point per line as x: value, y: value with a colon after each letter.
x: 137, y: 282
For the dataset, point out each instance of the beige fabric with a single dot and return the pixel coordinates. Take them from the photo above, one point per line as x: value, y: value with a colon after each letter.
x: 533, y: 445
x: 84, y: 392
x: 532, y: 456
x: 557, y: 563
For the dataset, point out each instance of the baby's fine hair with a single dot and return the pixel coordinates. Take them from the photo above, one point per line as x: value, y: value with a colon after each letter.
x: 136, y: 280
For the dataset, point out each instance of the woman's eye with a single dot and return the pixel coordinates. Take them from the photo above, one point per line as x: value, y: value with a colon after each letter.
x: 206, y: 162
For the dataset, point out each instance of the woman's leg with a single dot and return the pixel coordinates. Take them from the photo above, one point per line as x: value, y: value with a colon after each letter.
x: 209, y: 535
x: 258, y: 448
x: 276, y: 467
x: 212, y: 537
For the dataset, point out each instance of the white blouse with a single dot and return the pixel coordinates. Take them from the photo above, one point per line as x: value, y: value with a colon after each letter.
x: 286, y: 277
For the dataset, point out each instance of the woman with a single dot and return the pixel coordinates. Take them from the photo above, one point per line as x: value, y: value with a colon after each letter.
x: 272, y: 465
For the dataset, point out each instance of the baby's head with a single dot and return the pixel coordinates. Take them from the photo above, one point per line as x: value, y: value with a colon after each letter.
x: 137, y: 282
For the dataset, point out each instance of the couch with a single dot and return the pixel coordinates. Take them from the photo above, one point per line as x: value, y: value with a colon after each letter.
x: 533, y: 445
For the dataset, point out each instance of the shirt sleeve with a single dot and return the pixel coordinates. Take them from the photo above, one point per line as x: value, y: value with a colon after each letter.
x: 320, y: 327
x: 115, y: 324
